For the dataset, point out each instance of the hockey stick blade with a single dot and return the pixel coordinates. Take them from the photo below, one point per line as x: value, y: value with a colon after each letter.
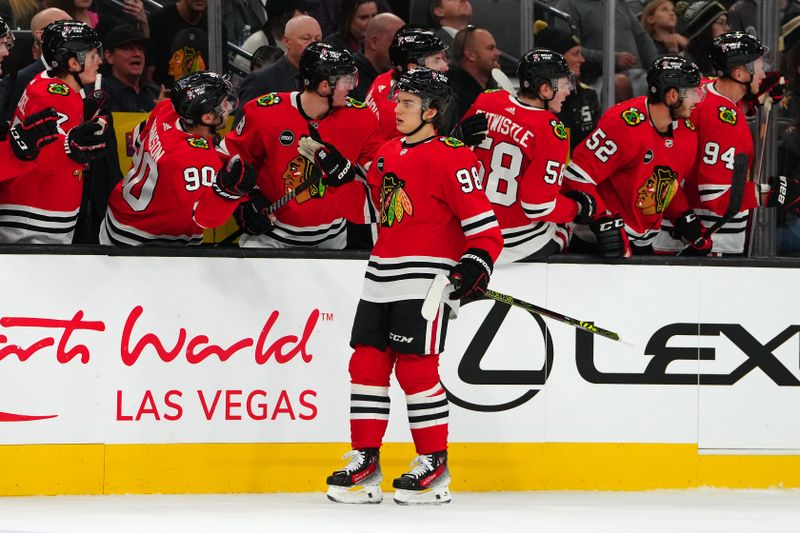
x: 430, y: 306
x: 580, y: 324
x: 503, y: 81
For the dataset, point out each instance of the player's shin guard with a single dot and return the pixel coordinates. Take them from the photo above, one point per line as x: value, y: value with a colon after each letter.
x: 359, y: 481
x: 369, y: 396
x: 428, y: 419
x: 428, y: 481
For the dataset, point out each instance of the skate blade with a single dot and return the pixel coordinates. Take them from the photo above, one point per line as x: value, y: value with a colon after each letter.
x: 357, y: 494
x: 431, y: 496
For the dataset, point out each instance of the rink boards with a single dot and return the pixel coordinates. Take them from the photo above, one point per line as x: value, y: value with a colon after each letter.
x: 202, y: 374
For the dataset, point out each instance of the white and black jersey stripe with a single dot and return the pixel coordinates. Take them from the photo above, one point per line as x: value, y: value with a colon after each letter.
x: 368, y: 402
x: 478, y: 223
x: 23, y: 224
x: 402, y: 278
x: 114, y: 233
x: 729, y: 239
x: 332, y: 236
x: 523, y: 241
x: 575, y: 173
x: 538, y: 210
x: 428, y: 408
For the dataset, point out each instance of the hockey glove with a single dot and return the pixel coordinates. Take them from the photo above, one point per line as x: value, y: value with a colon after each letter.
x: 689, y: 227
x: 38, y: 130
x: 472, y: 131
x: 587, y: 206
x: 336, y: 168
x: 612, y: 241
x: 471, y: 275
x: 785, y: 194
x: 772, y: 86
x: 235, y: 179
x: 252, y: 215
x: 86, y: 141
x: 93, y: 103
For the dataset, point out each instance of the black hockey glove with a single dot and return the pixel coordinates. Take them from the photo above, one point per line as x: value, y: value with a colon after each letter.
x: 336, y: 168
x: 612, y: 241
x: 689, y: 227
x: 587, y: 206
x: 252, y: 216
x: 471, y: 275
x: 784, y: 194
x: 38, y: 130
x: 86, y: 141
x: 772, y: 86
x: 472, y: 131
x: 93, y: 103
x: 235, y: 179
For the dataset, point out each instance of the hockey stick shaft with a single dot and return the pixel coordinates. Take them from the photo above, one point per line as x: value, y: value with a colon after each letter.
x: 758, y: 168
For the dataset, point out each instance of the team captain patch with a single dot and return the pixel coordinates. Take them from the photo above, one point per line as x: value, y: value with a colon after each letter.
x: 727, y: 115
x: 198, y: 142
x: 632, y: 116
x: 268, y: 100
x: 61, y: 89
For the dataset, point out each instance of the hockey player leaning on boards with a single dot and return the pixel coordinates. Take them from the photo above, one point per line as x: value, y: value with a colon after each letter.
x: 267, y: 137
x: 722, y: 131
x: 173, y: 165
x: 22, y: 144
x: 633, y: 164
x: 523, y: 157
x: 434, y: 218
x: 40, y: 206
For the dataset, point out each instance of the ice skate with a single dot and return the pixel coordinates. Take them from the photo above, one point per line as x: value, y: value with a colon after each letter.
x: 428, y: 481
x: 360, y: 480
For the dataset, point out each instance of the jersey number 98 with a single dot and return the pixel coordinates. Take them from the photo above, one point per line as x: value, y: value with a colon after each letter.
x: 469, y: 179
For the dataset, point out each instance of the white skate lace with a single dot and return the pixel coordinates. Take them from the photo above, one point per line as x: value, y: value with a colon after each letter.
x: 356, y: 460
x: 420, y: 466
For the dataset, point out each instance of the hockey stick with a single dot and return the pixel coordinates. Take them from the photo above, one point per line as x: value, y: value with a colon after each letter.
x: 762, y: 138
x: 735, y: 196
x: 433, y: 299
x: 503, y: 81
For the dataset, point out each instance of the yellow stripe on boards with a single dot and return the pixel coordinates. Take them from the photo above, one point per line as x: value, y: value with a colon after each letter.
x: 289, y: 467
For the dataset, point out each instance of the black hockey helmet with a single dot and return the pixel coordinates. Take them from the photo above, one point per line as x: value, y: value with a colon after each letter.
x: 325, y: 62
x: 412, y: 44
x: 65, y: 39
x: 7, y: 34
x: 430, y: 85
x: 539, y: 66
x: 734, y: 49
x: 199, y: 93
x: 671, y: 72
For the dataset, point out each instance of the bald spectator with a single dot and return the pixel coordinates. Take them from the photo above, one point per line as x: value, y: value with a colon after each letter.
x: 475, y: 54
x: 375, y: 59
x: 282, y: 75
x: 451, y: 16
x: 12, y: 86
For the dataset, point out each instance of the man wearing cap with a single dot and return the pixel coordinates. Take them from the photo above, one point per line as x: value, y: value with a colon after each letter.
x: 127, y: 90
x: 581, y: 109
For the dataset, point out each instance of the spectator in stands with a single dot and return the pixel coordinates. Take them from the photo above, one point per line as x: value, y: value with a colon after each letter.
x: 659, y: 20
x: 375, y: 59
x: 742, y: 16
x: 450, y: 16
x: 242, y: 18
x: 475, y: 54
x: 279, y: 12
x: 634, y: 48
x: 18, y: 13
x: 281, y: 76
x: 81, y: 10
x: 580, y: 111
x: 265, y: 56
x: 124, y: 48
x: 12, y: 86
x: 329, y: 12
x: 702, y: 21
x: 353, y: 23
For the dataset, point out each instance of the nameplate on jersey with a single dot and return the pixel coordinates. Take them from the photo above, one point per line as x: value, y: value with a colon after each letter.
x: 61, y: 89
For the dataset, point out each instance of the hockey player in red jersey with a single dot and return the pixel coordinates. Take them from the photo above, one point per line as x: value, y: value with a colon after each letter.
x: 434, y: 218
x: 523, y: 157
x: 267, y: 138
x: 40, y: 206
x: 175, y: 163
x: 633, y: 164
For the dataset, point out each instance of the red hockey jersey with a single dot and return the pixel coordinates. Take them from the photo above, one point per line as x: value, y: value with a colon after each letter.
x: 11, y: 167
x: 266, y: 137
x: 432, y: 209
x: 40, y: 206
x: 523, y: 157
x: 378, y: 102
x: 633, y: 170
x: 169, y: 172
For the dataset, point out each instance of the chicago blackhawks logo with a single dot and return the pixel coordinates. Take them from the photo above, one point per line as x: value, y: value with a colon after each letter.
x: 727, y: 115
x: 559, y: 129
x: 632, y: 116
x: 60, y: 89
x: 198, y: 142
x: 268, y: 100
x: 490, y: 91
x: 657, y: 191
x: 689, y: 124
x: 298, y: 171
x: 185, y: 61
x: 451, y: 142
x: 352, y: 102
x: 395, y: 203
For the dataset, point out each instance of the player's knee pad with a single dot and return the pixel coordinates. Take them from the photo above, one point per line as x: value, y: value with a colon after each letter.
x: 370, y: 366
x: 417, y: 373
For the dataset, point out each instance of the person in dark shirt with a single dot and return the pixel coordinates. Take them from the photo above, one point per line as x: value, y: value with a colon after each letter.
x: 375, y: 58
x: 355, y: 17
x: 127, y: 91
x: 475, y: 54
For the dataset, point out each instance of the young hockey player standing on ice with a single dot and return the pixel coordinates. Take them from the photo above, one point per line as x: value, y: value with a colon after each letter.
x: 434, y: 218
